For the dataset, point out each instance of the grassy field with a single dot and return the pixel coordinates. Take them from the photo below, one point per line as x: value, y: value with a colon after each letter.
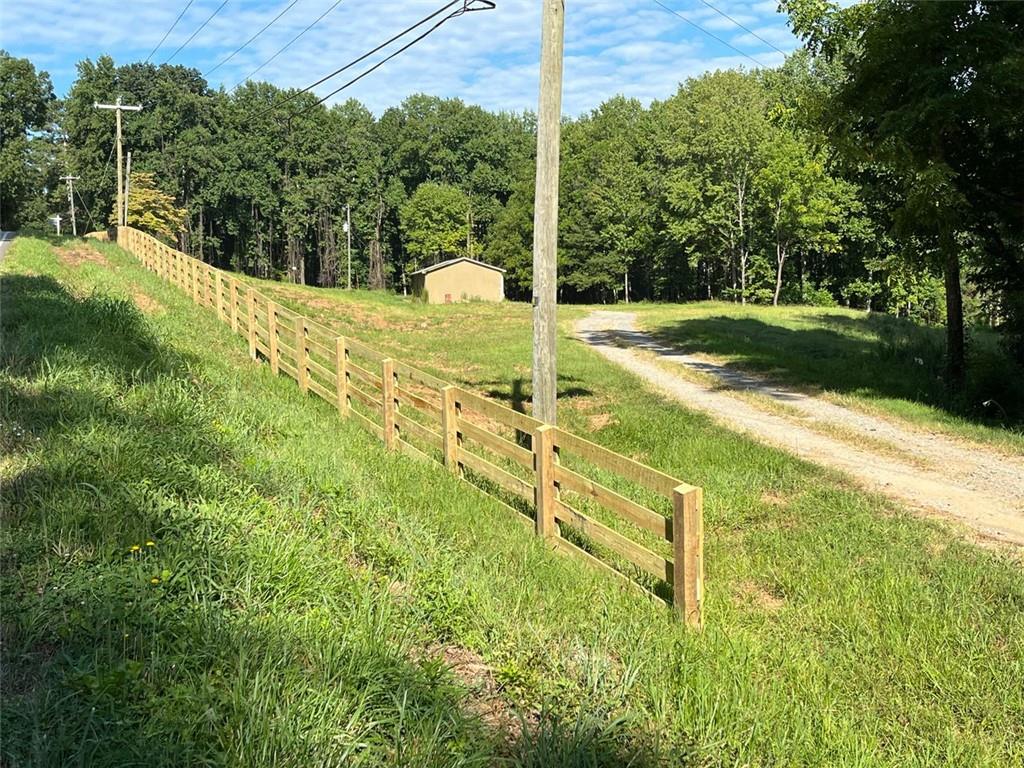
x: 202, y: 567
x: 875, y: 362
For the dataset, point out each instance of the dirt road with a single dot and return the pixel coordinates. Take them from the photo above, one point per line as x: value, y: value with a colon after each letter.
x: 969, y: 483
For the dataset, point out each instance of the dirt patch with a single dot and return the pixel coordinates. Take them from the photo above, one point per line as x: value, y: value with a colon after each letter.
x: 758, y: 596
x: 77, y: 256
x: 352, y: 313
x: 774, y: 499
x: 600, y: 421
x: 147, y: 304
x: 485, y: 700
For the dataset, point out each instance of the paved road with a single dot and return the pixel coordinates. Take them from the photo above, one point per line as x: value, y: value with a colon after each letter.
x: 6, y: 238
x: 968, y: 482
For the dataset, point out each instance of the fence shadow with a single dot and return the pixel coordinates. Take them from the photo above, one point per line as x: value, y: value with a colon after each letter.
x: 96, y: 670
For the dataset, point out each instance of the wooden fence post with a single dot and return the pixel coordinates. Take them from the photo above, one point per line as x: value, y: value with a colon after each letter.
x: 544, y: 480
x: 272, y: 334
x: 220, y: 297
x: 450, y: 427
x: 250, y: 300
x: 387, y: 387
x: 688, y: 554
x: 233, y: 298
x: 301, y: 355
x: 194, y: 271
x: 341, y: 374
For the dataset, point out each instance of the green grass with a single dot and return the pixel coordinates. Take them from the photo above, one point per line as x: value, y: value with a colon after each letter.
x: 873, y: 361
x: 304, y: 574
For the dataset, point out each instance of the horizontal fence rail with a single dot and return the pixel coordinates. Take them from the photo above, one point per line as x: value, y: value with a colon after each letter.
x: 615, y: 513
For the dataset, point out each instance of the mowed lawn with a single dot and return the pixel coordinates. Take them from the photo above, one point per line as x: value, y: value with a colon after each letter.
x: 873, y: 361
x: 203, y: 567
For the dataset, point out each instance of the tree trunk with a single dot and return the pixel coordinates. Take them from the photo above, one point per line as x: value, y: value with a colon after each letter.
x: 376, y: 276
x: 741, y: 189
x: 743, y: 275
x: 956, y: 363
x: 780, y: 259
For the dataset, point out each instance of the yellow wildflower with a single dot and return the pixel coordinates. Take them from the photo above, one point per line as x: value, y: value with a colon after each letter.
x: 154, y: 580
x: 135, y: 548
x: 150, y: 543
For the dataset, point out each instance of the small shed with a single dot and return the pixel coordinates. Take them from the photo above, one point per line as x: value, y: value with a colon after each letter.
x: 462, y: 279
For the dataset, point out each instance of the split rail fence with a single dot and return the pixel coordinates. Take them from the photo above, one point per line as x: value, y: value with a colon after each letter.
x: 586, y: 499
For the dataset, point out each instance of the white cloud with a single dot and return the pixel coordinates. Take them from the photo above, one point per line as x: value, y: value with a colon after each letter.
x: 490, y: 58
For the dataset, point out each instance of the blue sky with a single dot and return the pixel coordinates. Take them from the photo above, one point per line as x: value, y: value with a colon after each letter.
x: 633, y: 47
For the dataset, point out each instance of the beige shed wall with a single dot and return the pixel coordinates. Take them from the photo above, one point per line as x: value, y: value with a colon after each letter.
x: 464, y: 281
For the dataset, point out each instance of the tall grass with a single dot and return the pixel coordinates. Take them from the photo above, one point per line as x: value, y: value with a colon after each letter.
x: 302, y: 584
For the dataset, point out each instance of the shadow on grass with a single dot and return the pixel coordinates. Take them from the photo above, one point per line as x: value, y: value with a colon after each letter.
x: 120, y: 652
x: 877, y: 356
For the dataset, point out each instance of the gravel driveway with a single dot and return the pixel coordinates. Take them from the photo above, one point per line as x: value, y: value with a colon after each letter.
x: 970, y: 483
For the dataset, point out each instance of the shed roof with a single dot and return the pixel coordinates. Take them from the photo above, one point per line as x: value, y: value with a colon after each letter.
x: 452, y: 262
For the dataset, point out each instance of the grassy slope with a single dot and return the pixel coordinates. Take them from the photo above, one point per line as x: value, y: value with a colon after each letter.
x: 303, y: 570
x: 882, y: 364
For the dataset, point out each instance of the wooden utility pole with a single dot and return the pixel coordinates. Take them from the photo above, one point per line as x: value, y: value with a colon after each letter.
x: 71, y: 201
x: 127, y: 186
x: 118, y: 108
x: 348, y: 234
x: 545, y: 216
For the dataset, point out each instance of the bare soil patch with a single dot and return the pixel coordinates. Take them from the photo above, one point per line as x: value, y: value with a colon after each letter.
x: 147, y: 304
x: 758, y: 596
x: 486, y: 700
x: 76, y: 256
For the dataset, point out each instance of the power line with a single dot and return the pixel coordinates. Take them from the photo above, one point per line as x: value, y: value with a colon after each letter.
x: 388, y: 58
x: 723, y: 14
x: 287, y: 45
x: 267, y: 26
x: 292, y: 96
x: 103, y: 173
x: 193, y: 35
x: 695, y: 25
x: 87, y: 211
x: 187, y: 6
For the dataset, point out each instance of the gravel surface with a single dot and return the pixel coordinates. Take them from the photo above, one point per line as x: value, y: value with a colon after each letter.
x: 968, y: 482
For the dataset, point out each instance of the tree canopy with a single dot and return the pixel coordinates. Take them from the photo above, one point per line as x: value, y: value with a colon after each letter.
x: 880, y: 167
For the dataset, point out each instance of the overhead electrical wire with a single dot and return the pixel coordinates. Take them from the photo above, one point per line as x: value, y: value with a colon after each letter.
x: 712, y: 35
x: 187, y: 6
x: 466, y: 8
x: 266, y: 26
x: 288, y: 45
x: 386, y: 59
x: 103, y: 173
x: 724, y: 15
x: 193, y: 35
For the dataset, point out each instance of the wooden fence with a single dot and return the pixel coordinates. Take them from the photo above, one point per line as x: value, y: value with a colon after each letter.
x: 586, y: 499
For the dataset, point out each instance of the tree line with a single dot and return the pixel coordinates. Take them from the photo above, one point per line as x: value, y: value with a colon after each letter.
x: 854, y: 173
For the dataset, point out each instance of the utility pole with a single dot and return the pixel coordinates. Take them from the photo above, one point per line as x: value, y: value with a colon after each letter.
x: 127, y: 186
x: 71, y: 201
x: 348, y: 234
x: 545, y: 216
x: 118, y: 108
